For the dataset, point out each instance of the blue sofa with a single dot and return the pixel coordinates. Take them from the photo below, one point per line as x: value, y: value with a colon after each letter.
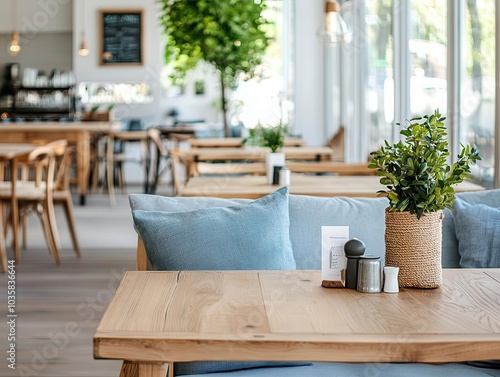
x: 365, y: 218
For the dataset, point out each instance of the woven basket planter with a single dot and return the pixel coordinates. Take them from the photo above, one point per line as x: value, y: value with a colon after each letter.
x: 414, y: 245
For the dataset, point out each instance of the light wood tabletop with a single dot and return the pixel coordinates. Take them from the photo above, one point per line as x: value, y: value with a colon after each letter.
x: 157, y: 317
x: 192, y: 156
x: 232, y: 142
x: 255, y: 154
x: 252, y: 187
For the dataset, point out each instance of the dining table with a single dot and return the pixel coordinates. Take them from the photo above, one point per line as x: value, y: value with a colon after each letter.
x: 191, y: 156
x: 253, y: 187
x: 234, y: 142
x: 9, y: 155
x: 158, y: 317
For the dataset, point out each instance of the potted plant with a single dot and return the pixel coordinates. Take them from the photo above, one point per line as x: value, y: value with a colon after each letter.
x: 272, y: 137
x: 420, y: 185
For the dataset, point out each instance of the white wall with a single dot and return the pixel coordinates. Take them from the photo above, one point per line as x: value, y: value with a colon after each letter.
x: 309, y: 71
x: 85, y: 17
x: 36, y: 16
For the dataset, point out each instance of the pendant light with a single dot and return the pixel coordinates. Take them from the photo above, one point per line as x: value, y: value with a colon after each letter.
x: 14, y: 46
x: 335, y: 30
x: 84, y: 50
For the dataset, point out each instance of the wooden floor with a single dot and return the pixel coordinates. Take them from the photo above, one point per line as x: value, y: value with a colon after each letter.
x: 59, y: 307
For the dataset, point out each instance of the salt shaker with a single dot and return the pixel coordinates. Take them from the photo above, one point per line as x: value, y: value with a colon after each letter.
x: 284, y: 177
x: 391, y: 279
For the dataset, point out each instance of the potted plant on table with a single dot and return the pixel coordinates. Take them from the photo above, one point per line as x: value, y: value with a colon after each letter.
x: 272, y: 137
x: 420, y: 185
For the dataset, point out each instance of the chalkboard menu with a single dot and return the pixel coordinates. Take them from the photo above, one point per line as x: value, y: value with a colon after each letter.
x: 121, y: 37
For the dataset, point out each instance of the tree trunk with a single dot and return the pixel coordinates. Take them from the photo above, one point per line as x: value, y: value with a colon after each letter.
x: 227, y: 131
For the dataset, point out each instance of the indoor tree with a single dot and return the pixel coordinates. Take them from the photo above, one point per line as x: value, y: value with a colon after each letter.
x: 230, y: 35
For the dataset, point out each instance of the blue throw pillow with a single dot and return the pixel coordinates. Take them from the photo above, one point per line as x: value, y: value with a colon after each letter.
x: 477, y: 229
x: 253, y: 236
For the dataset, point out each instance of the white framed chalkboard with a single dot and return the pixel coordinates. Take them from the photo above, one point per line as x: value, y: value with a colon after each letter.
x: 121, y: 37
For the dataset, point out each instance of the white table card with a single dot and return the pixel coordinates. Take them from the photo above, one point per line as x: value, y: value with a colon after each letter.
x: 333, y: 259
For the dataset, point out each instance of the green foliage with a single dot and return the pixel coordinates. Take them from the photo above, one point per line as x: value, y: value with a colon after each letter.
x: 272, y: 137
x: 228, y: 34
x: 416, y: 172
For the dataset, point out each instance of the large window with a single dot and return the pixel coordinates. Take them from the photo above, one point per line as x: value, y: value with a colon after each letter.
x: 477, y: 84
x: 266, y: 98
x: 409, y: 57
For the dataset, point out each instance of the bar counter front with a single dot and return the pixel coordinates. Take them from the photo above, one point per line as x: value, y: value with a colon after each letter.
x: 78, y: 134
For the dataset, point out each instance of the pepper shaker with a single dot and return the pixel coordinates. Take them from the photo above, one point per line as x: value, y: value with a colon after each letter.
x: 353, y: 249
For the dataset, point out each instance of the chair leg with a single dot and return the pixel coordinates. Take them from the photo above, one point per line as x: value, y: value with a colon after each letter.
x: 24, y: 227
x: 49, y: 234
x: 68, y: 209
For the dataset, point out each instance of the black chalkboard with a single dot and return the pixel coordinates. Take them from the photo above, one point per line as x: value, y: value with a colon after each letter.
x: 121, y: 37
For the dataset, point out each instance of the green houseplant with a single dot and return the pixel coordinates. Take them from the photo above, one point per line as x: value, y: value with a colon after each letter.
x: 231, y: 36
x: 272, y: 137
x: 420, y: 185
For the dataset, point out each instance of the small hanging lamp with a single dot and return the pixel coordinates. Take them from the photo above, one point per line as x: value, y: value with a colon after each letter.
x: 14, y: 46
x: 335, y: 28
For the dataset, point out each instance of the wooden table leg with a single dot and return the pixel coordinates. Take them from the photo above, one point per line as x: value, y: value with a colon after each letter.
x: 130, y: 369
x: 82, y: 163
x: 110, y: 168
x: 14, y: 214
x: 3, y: 252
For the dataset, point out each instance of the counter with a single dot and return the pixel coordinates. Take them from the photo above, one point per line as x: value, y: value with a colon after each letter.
x: 78, y: 134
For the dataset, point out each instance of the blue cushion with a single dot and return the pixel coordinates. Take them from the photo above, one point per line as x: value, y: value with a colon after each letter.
x: 366, y: 369
x: 450, y: 256
x: 478, y: 233
x: 253, y: 236
x: 364, y: 216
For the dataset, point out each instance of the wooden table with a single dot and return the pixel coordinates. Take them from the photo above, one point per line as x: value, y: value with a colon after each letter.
x: 158, y: 317
x: 10, y: 153
x: 193, y: 155
x: 235, y: 142
x: 252, y: 187
x: 77, y: 134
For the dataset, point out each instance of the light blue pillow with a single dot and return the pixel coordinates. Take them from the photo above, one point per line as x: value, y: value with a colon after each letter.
x: 253, y: 236
x: 477, y: 229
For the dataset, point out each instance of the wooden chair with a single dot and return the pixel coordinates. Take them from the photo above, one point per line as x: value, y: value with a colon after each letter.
x: 62, y: 190
x: 337, y: 143
x: 158, y: 160
x: 34, y: 192
x: 178, y: 179
x: 56, y: 191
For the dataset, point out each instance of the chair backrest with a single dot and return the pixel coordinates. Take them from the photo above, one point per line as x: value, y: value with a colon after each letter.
x: 177, y: 183
x: 62, y: 159
x: 154, y: 136
x: 337, y: 143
